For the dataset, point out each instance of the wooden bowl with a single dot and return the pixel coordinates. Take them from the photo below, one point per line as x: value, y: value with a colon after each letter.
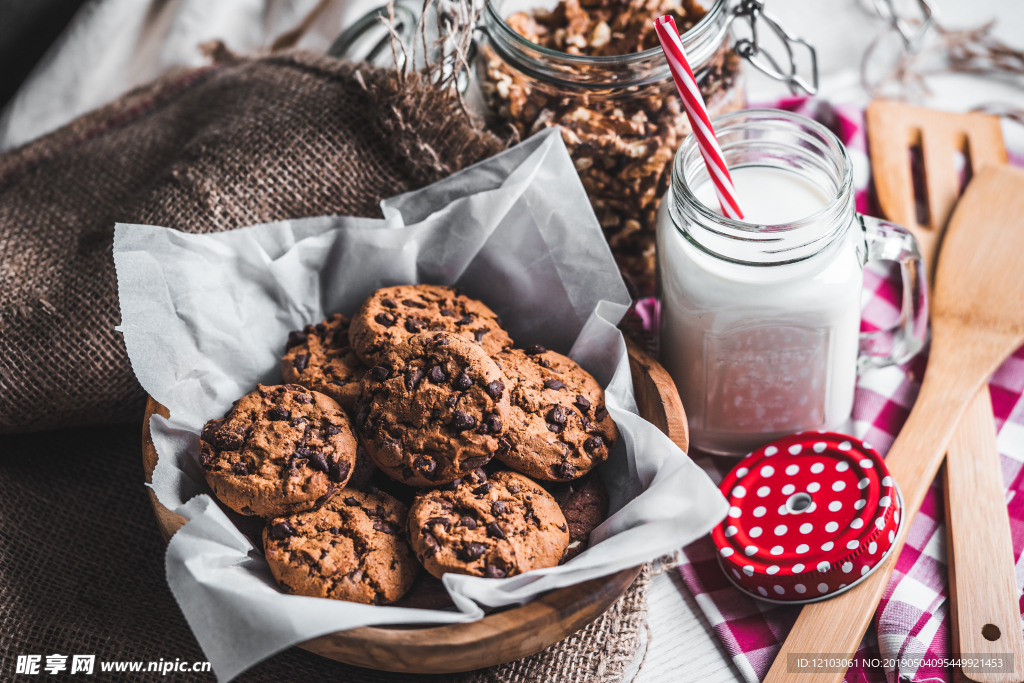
x: 501, y: 637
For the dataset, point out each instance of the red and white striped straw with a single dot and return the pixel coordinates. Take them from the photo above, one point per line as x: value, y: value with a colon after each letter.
x: 697, y: 112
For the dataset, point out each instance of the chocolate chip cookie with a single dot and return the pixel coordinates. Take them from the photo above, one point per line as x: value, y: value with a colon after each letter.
x: 279, y: 450
x: 393, y: 314
x: 353, y: 548
x: 319, y: 357
x: 584, y: 502
x: 493, y: 527
x: 432, y: 408
x: 559, y: 427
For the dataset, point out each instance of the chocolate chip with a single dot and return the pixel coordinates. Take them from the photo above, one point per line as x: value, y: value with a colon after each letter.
x: 295, y: 338
x: 492, y: 424
x: 452, y: 400
x: 450, y: 486
x: 442, y: 521
x: 494, y: 529
x: 592, y: 444
x: 468, y: 522
x: 462, y: 420
x: 477, y: 476
x: 414, y: 325
x: 430, y: 542
x: 240, y: 468
x: 471, y: 552
x: 385, y: 527
x: 293, y: 387
x: 563, y: 527
x: 534, y: 350
x: 463, y: 382
x: 281, y: 531
x: 426, y: 466
x: 554, y: 384
x: 504, y: 446
x: 449, y: 313
x: 317, y: 461
x: 386, y: 319
x: 378, y: 511
x: 544, y: 362
x: 277, y: 413
x: 478, y: 461
x: 303, y: 398
x: 413, y: 377
x: 482, y: 489
x: 600, y: 414
x: 338, y: 382
x: 494, y: 390
x: 492, y: 572
x: 437, y: 375
x: 554, y: 428
x: 440, y: 339
x: 229, y: 439
x: 379, y: 372
x: 556, y: 415
x: 564, y: 470
x: 479, y: 336
x: 338, y: 471
x: 464, y: 320
x: 388, y: 303
x: 351, y: 502
x: 413, y: 304
x: 332, y: 430
x: 512, y: 488
x: 497, y: 508
x: 582, y: 402
x: 436, y: 413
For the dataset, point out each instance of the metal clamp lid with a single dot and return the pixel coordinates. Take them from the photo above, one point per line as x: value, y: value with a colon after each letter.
x: 754, y: 52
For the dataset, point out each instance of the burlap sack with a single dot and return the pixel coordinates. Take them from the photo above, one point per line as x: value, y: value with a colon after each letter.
x: 211, y: 149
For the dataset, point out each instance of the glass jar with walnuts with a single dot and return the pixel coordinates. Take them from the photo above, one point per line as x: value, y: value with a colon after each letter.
x: 595, y: 68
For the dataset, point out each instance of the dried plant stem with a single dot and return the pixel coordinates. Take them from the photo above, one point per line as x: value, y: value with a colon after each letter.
x: 973, y: 51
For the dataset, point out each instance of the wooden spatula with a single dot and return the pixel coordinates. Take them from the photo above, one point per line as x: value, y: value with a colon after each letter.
x: 982, y: 578
x: 893, y: 129
x: 977, y: 322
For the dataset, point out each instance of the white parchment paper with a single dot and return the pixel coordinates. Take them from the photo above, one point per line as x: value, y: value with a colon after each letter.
x: 205, y: 318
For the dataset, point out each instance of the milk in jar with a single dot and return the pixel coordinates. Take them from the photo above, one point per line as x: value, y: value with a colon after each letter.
x: 760, y: 319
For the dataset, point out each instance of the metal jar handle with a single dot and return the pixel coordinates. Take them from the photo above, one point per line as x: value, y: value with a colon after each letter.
x: 751, y: 50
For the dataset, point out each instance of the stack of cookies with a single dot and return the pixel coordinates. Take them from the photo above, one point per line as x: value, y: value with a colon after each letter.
x: 414, y: 435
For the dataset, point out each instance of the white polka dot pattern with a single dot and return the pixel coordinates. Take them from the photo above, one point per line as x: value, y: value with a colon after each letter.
x: 835, y: 510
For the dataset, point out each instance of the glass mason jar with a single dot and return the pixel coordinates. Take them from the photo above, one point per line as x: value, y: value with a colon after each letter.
x: 620, y: 115
x: 760, y: 324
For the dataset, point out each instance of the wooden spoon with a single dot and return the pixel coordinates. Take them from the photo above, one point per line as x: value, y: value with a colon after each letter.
x: 977, y: 322
x: 984, y: 609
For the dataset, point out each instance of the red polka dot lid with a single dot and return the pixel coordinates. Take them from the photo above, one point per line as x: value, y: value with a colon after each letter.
x: 810, y: 515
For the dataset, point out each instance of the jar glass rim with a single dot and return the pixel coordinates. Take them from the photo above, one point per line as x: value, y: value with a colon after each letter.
x: 698, y: 31
x: 840, y: 197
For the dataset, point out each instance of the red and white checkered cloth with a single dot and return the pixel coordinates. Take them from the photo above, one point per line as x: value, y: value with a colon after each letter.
x: 913, y: 617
